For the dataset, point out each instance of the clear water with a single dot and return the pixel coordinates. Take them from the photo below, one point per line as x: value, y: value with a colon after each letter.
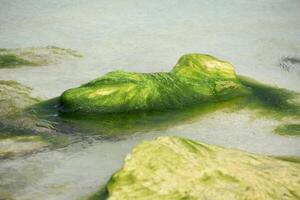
x: 144, y: 36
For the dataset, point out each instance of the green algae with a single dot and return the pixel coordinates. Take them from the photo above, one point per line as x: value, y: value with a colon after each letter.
x: 196, y: 78
x: 288, y: 129
x: 35, y: 56
x: 195, y: 71
x: 99, y: 195
x: 123, y: 124
x: 271, y: 100
x: 294, y: 159
x: 13, y: 61
x: 125, y: 100
x: 178, y: 168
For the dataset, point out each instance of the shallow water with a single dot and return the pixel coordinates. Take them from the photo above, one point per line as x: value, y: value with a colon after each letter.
x: 144, y: 36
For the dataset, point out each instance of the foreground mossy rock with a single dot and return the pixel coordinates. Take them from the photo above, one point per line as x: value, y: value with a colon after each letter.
x: 35, y: 56
x: 195, y: 78
x: 177, y: 168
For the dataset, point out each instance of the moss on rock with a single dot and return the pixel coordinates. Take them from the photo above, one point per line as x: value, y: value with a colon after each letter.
x: 177, y: 168
x: 36, y: 56
x: 195, y: 78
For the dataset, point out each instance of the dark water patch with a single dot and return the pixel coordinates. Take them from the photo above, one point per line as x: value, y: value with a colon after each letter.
x: 290, y: 64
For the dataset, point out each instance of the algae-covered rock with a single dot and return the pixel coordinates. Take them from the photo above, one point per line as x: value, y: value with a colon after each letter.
x: 177, y: 168
x: 195, y: 78
x: 35, y: 56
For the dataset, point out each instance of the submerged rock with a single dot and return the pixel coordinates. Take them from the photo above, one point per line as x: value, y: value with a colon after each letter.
x: 21, y: 132
x: 36, y: 56
x: 177, y: 168
x: 20, y: 145
x: 195, y: 78
x: 14, y: 97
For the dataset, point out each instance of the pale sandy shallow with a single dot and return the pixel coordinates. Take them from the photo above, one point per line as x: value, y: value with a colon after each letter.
x: 144, y: 36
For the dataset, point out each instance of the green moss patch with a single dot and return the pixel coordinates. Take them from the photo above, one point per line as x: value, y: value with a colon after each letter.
x: 288, y: 129
x: 178, y: 168
x: 270, y: 100
x: 36, y: 56
x: 99, y: 195
x: 12, y: 61
x: 122, y: 124
x: 293, y: 159
x: 196, y: 78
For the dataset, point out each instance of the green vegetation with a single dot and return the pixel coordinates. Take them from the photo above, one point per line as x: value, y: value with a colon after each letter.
x: 12, y: 61
x: 99, y: 195
x: 13, y: 58
x: 293, y: 159
x: 288, y: 129
x: 121, y: 103
x: 196, y: 78
x: 124, y: 124
x: 177, y: 168
x: 270, y: 100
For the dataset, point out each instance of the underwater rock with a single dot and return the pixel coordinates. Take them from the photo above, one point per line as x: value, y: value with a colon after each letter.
x: 36, y: 56
x: 177, y: 168
x: 14, y: 97
x: 20, y: 132
x: 195, y: 78
x: 20, y: 145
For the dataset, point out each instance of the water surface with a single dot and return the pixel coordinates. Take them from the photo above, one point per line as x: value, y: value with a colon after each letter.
x: 144, y: 36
